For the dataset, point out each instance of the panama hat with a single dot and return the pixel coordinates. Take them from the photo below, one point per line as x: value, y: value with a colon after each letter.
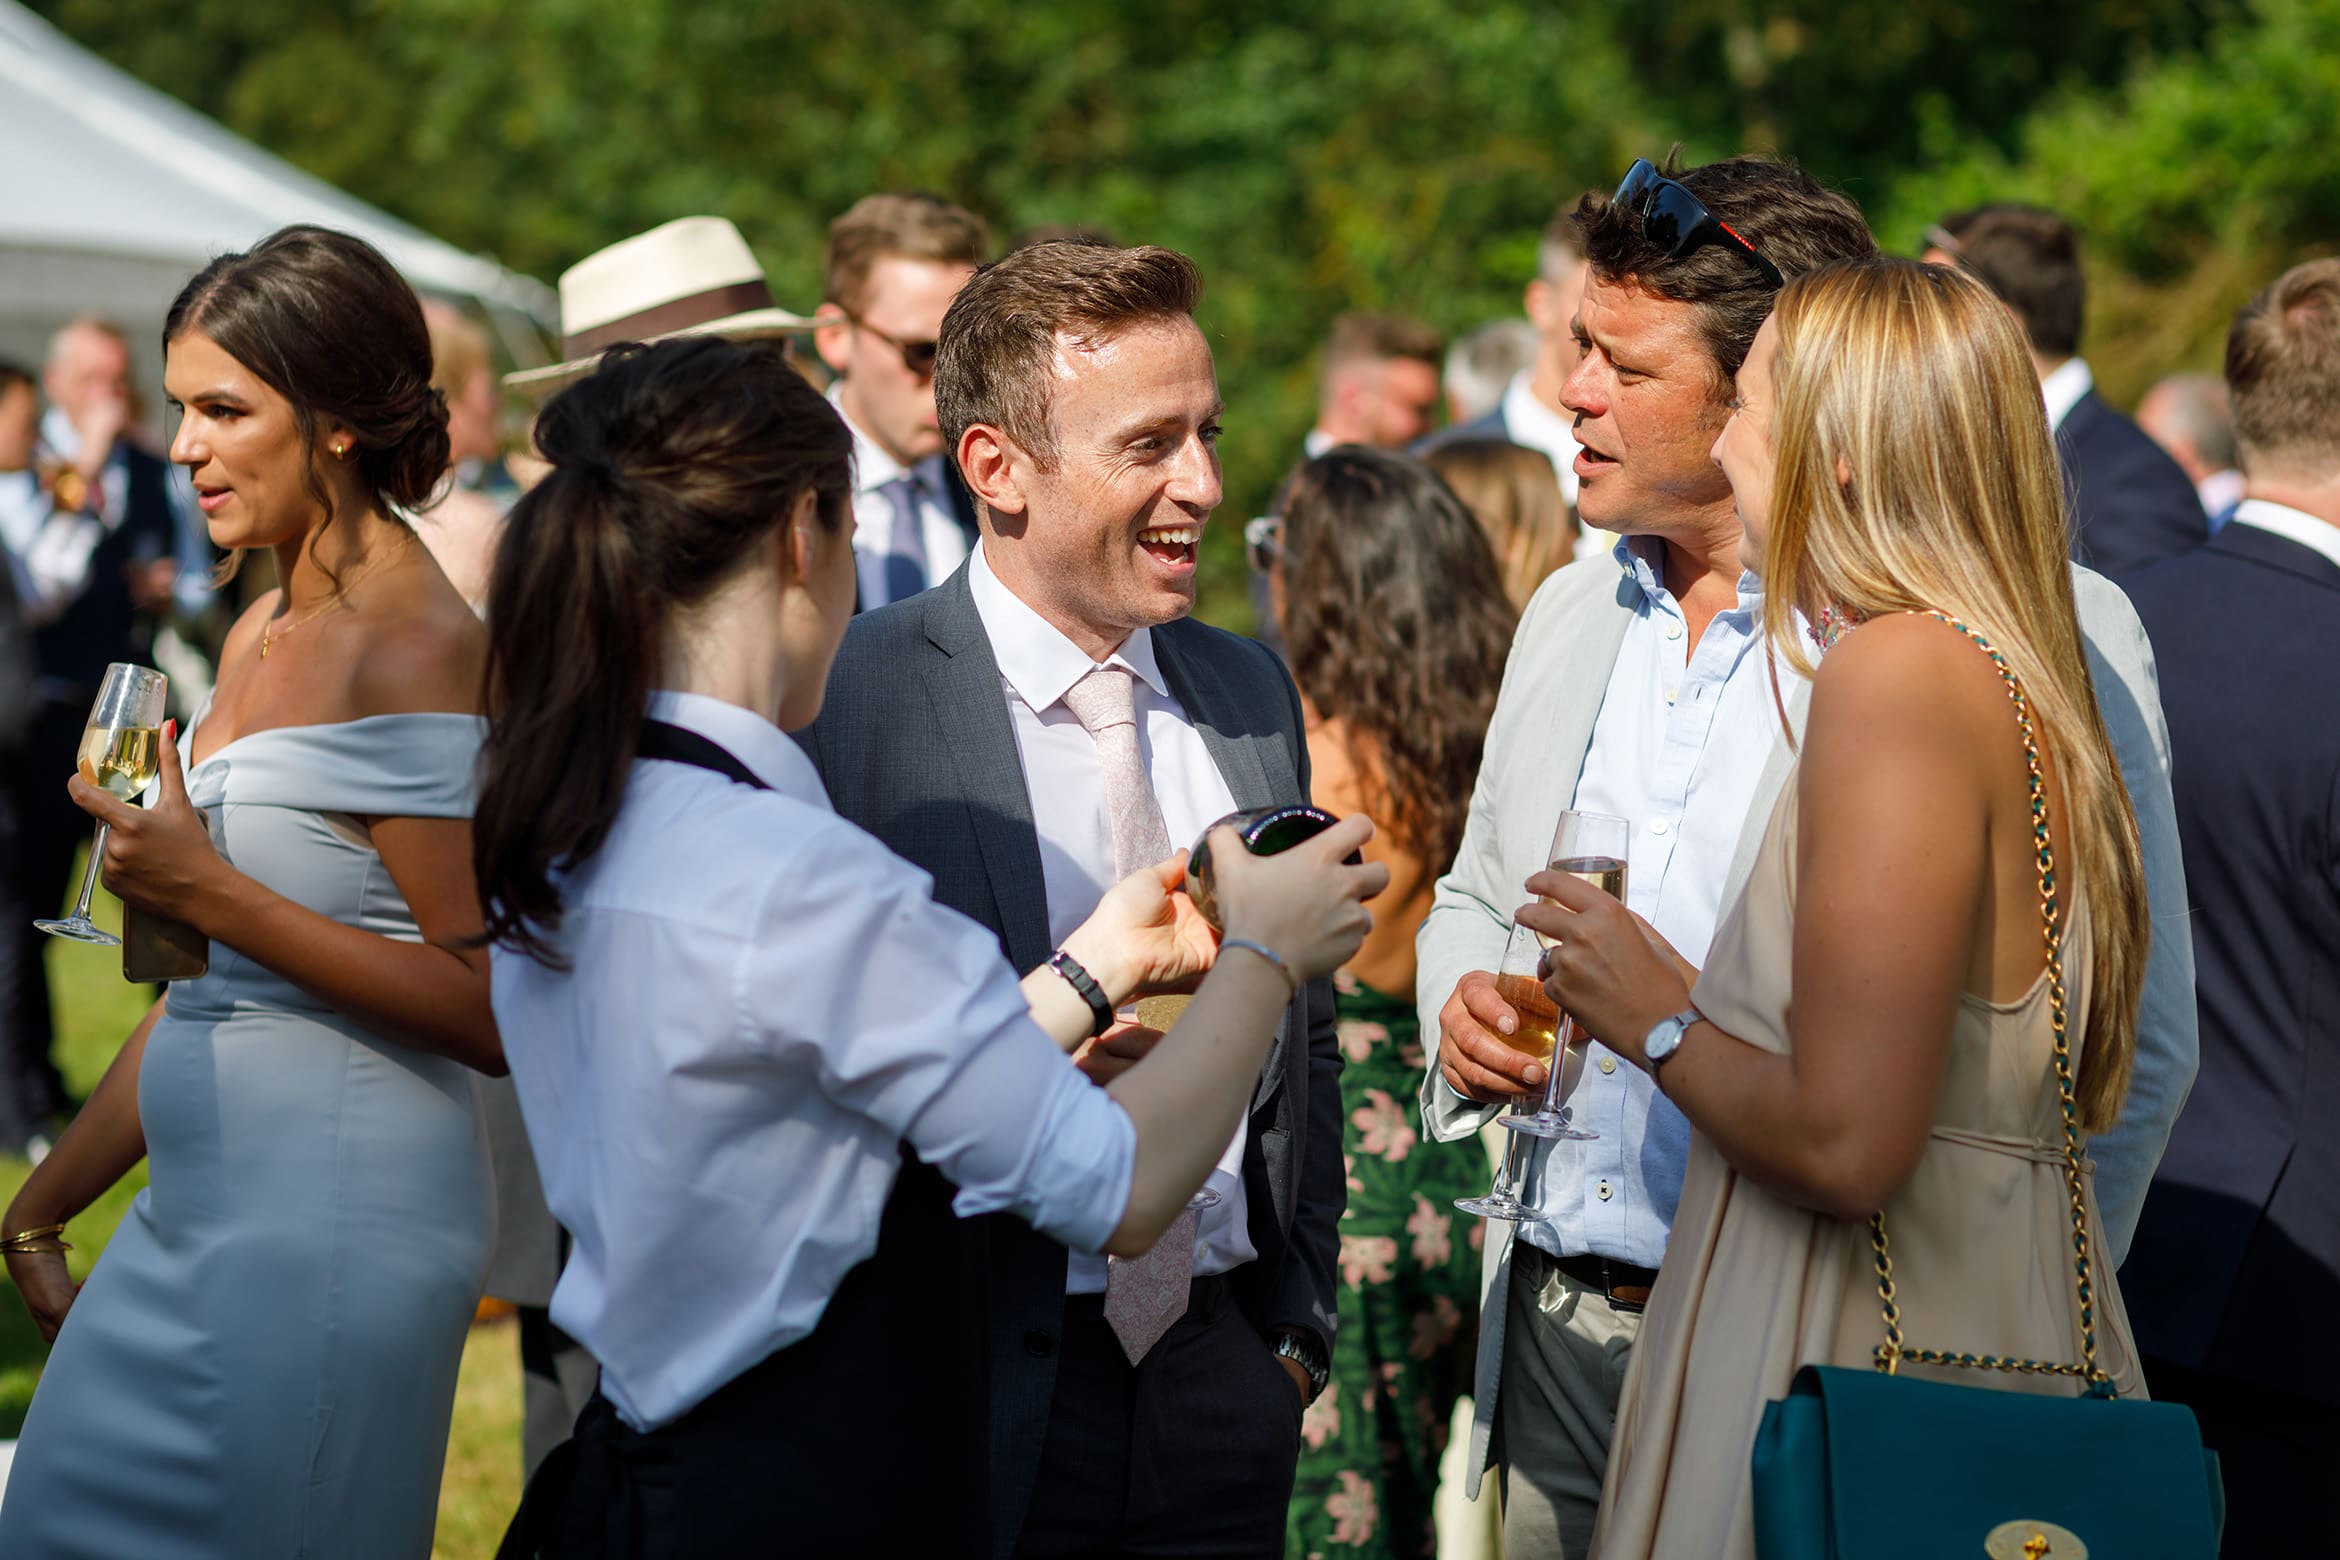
x: 694, y: 276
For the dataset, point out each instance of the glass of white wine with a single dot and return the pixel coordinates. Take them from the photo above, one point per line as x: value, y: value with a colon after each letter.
x: 120, y: 752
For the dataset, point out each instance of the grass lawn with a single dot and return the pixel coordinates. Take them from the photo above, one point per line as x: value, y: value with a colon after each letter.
x: 97, y: 1010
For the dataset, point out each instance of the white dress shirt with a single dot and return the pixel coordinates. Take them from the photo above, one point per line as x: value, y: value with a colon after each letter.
x: 763, y: 1004
x: 1037, y: 666
x: 1530, y: 422
x: 1678, y: 751
x: 2064, y: 389
x: 873, y: 512
x: 2293, y: 525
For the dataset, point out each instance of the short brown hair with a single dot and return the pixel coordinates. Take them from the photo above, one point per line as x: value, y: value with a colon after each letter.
x: 998, y: 342
x: 906, y: 226
x: 2283, y: 372
x: 1790, y: 218
x: 1380, y: 338
x: 2031, y: 259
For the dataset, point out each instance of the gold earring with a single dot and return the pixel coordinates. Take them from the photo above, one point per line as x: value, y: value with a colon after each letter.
x: 341, y: 449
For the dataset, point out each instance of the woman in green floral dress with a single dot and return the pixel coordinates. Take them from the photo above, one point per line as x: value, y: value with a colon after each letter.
x: 1396, y: 622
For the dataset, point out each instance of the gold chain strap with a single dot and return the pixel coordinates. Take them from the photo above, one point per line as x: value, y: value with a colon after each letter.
x: 1893, y: 1351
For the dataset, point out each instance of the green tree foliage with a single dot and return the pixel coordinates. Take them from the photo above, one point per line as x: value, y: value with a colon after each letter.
x: 1392, y: 154
x: 2196, y: 181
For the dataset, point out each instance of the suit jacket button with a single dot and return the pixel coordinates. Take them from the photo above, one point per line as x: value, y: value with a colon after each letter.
x: 1039, y: 1343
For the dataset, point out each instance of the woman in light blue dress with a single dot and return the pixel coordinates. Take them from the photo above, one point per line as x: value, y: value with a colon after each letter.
x: 263, y: 1362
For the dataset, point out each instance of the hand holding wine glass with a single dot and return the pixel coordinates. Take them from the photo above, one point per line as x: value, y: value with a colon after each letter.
x: 1612, y: 972
x: 120, y: 750
x: 156, y: 858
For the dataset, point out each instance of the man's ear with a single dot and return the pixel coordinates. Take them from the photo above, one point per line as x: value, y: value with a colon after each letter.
x: 830, y: 337
x: 1537, y: 301
x: 996, y: 468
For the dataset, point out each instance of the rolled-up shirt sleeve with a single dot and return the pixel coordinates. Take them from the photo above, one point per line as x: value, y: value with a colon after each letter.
x: 903, y: 1012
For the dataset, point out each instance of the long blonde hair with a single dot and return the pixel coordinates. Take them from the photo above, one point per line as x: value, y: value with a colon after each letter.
x: 1915, y: 383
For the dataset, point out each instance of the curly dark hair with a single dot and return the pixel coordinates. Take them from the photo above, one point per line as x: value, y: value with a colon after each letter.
x: 1397, y: 624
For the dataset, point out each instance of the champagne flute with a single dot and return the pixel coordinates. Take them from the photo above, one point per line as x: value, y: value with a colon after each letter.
x: 1537, y: 1037
x: 1590, y: 846
x: 121, y: 750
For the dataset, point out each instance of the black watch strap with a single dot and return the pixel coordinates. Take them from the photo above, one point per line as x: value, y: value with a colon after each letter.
x: 1086, y: 984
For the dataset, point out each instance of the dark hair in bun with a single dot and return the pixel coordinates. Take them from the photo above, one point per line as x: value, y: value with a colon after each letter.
x: 329, y: 325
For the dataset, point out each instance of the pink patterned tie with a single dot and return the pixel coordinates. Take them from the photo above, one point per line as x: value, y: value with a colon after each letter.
x: 1143, y: 1295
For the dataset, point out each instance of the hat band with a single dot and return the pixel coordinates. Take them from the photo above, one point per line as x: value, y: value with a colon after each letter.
x: 679, y: 314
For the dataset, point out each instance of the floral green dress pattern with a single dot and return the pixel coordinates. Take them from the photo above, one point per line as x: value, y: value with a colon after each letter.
x: 1409, y: 1302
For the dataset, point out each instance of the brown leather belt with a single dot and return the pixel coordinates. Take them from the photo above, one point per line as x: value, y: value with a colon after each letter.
x: 1620, y: 1283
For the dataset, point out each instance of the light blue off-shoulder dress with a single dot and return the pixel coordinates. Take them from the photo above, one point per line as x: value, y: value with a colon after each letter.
x: 263, y: 1361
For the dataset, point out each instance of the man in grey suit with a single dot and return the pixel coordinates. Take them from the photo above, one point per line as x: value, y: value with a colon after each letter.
x: 980, y: 730
x: 1638, y: 685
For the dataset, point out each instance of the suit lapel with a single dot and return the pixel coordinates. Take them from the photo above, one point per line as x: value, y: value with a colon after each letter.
x: 971, y: 712
x: 1576, y: 699
x: 1258, y: 773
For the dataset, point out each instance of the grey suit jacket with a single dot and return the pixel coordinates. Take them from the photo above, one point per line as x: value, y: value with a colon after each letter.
x: 1558, y: 674
x: 915, y: 745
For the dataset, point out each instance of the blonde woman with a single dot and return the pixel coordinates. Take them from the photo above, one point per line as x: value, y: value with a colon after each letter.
x: 1510, y: 490
x: 1891, y: 460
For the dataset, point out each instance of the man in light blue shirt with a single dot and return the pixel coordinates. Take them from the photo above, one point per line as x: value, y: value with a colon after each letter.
x: 1639, y: 686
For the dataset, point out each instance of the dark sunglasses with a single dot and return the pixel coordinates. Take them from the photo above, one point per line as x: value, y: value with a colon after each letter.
x: 917, y: 356
x: 1677, y: 221
x: 1263, y: 538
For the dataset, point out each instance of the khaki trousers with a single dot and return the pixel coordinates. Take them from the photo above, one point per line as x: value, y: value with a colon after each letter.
x: 1565, y: 1349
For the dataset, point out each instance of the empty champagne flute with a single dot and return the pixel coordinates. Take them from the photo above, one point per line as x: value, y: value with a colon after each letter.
x: 1590, y: 846
x: 121, y: 750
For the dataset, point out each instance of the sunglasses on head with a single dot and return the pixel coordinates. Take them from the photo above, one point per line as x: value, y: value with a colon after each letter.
x: 917, y: 356
x: 1263, y: 538
x: 1677, y: 221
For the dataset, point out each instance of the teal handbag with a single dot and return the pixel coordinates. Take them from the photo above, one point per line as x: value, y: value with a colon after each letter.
x: 1867, y: 1465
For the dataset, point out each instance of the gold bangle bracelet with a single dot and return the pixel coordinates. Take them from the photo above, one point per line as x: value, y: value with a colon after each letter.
x: 20, y: 1241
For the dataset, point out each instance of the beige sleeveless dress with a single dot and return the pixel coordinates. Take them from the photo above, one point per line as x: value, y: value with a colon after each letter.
x: 1754, y: 1287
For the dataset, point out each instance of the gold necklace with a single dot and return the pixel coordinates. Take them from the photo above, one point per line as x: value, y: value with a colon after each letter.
x: 268, y: 627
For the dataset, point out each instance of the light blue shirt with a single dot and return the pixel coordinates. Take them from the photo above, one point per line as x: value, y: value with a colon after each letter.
x: 1678, y: 751
x: 763, y: 1005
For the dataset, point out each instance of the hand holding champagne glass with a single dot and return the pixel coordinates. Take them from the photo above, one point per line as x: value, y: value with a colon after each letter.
x: 1590, y: 847
x: 120, y: 752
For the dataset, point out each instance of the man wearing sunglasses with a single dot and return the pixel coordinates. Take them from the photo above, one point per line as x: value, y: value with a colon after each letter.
x: 1638, y: 686
x: 894, y: 264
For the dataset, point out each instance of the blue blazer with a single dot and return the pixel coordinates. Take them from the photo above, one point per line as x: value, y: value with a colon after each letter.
x: 2238, y: 1252
x: 2131, y: 504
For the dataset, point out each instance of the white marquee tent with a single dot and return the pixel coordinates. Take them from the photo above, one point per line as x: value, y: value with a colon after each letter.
x: 117, y: 193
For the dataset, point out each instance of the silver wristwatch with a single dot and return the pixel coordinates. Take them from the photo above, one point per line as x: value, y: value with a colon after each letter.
x: 1308, y: 1354
x: 1665, y: 1037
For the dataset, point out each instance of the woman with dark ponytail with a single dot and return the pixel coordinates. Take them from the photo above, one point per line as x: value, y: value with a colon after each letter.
x: 264, y: 1361
x: 764, y: 1072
